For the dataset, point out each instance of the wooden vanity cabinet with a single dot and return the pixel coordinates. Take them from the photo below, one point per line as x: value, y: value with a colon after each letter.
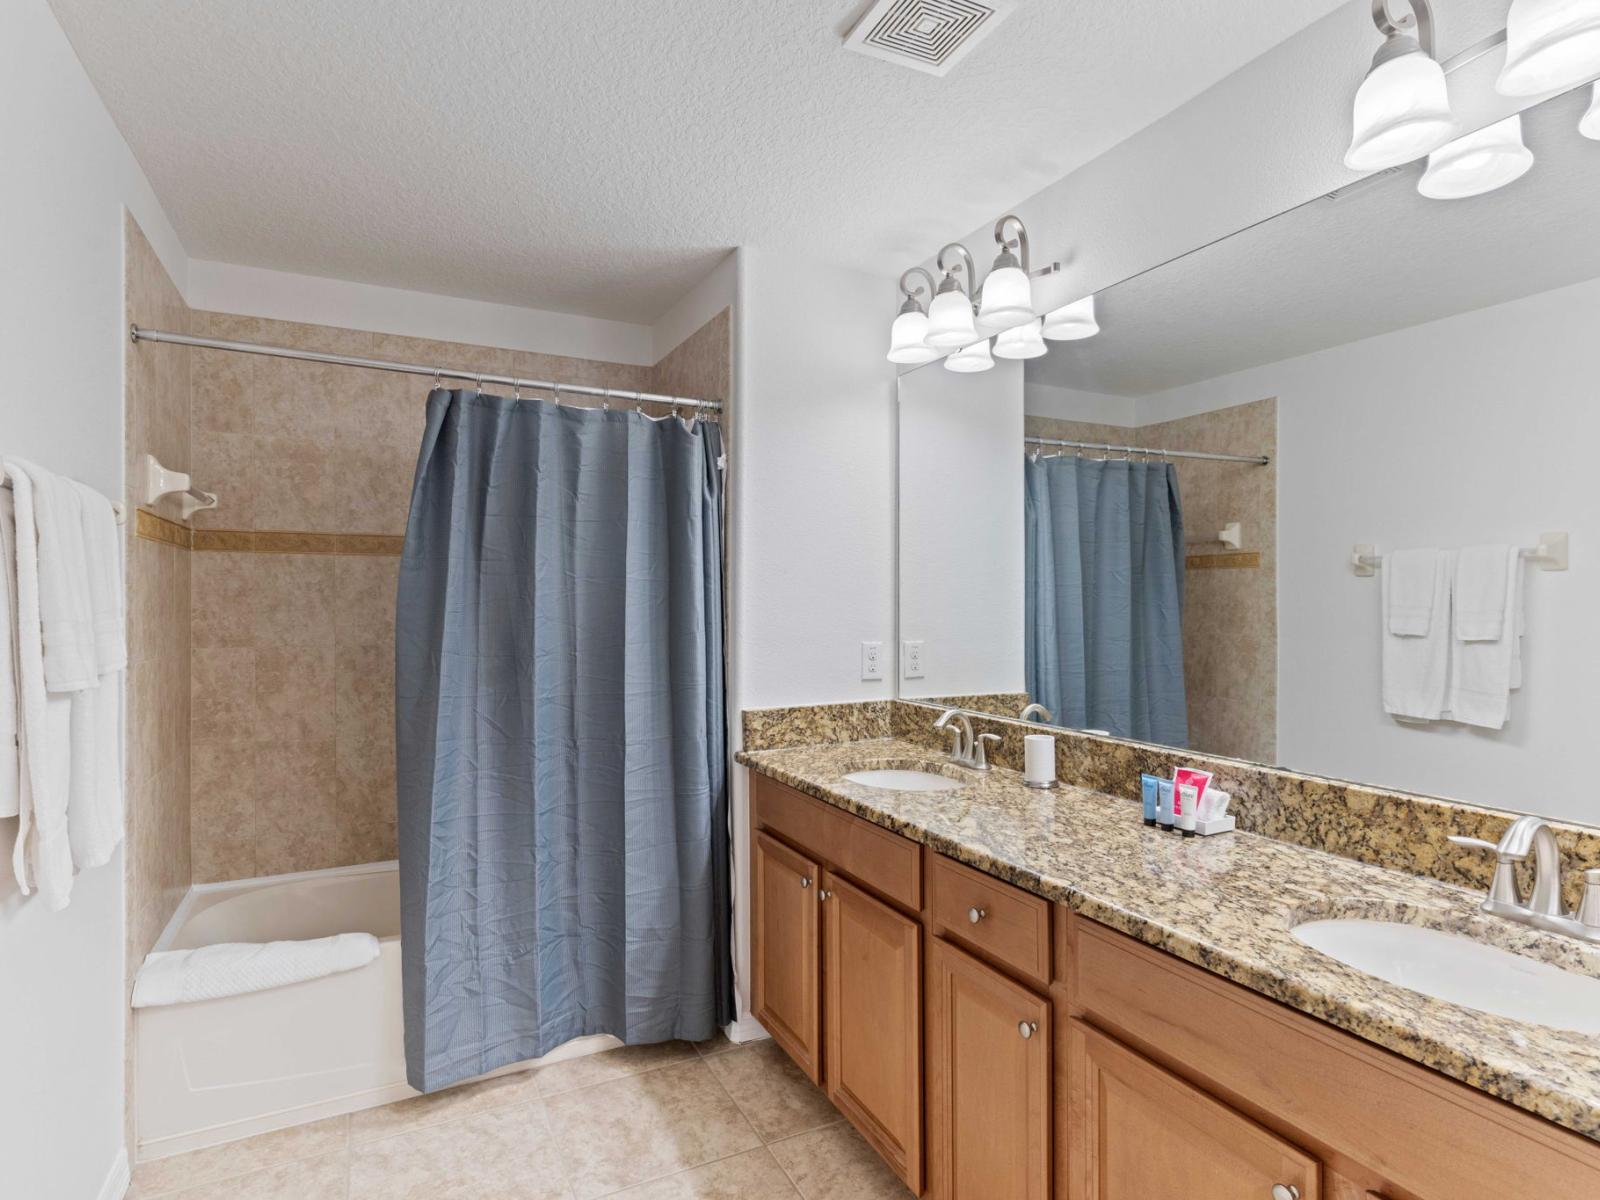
x: 786, y: 951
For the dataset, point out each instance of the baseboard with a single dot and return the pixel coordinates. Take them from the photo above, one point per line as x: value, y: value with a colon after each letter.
x: 746, y: 1029
x: 117, y: 1179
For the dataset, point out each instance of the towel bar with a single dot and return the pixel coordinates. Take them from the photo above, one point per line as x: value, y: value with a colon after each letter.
x: 1549, y: 555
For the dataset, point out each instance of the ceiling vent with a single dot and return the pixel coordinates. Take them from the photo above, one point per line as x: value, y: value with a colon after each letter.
x: 926, y: 35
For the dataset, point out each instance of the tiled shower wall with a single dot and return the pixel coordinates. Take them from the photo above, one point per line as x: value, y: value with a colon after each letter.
x: 293, y: 668
x: 1230, y: 613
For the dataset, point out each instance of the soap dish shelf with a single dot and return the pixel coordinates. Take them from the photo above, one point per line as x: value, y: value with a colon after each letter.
x: 158, y: 481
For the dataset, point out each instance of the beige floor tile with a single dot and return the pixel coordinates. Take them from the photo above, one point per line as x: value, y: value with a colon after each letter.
x: 837, y: 1164
x: 507, y: 1154
x: 646, y: 1127
x: 591, y: 1069
x: 754, y: 1175
x: 241, y: 1157
x: 717, y: 1043
x: 771, y: 1091
x: 324, y: 1178
x: 420, y: 1111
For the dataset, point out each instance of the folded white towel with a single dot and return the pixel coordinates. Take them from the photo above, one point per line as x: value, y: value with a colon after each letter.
x: 103, y: 546
x: 1484, y: 673
x: 233, y: 968
x: 42, y: 859
x: 1480, y: 592
x: 1411, y: 578
x: 95, y: 807
x: 1416, y: 666
x: 66, y: 617
x: 10, y: 705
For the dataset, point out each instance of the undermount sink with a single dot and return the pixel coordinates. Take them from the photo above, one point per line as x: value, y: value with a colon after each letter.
x: 898, y: 780
x: 1461, y: 970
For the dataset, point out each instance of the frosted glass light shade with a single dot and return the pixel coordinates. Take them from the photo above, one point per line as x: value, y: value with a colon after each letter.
x: 1021, y: 341
x: 1402, y: 112
x: 1478, y: 162
x: 971, y: 359
x: 906, y: 344
x: 1071, y: 322
x: 1551, y: 45
x: 1590, y: 125
x: 1007, y: 300
x: 950, y: 321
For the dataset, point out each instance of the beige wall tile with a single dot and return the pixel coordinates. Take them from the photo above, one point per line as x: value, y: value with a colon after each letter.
x: 223, y: 683
x: 298, y: 824
x: 295, y: 693
x: 223, y: 815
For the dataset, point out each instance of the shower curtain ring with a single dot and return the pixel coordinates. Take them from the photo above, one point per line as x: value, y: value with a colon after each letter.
x: 555, y: 390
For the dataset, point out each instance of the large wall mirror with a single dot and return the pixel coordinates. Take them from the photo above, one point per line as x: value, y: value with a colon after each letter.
x: 1417, y: 378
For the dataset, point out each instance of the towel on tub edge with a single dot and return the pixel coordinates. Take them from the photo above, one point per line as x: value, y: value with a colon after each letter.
x: 233, y: 968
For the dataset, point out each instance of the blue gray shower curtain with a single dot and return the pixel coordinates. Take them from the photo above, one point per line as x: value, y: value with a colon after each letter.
x: 562, y: 784
x: 1104, y: 607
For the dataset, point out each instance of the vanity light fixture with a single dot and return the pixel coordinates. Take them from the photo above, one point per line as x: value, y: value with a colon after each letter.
x: 1007, y: 292
x: 1021, y: 341
x: 1589, y: 126
x: 908, y: 338
x: 1551, y: 45
x: 950, y: 320
x: 1402, y: 109
x: 1072, y: 322
x: 971, y: 359
x: 1477, y: 163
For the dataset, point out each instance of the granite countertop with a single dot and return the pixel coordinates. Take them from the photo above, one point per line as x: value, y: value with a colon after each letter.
x: 1227, y: 904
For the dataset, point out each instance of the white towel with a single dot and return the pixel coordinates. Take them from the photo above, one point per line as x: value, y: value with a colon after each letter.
x: 1411, y: 577
x: 233, y: 968
x: 1416, y: 667
x: 95, y: 806
x: 1480, y: 592
x: 103, y: 546
x: 1484, y: 673
x: 10, y: 710
x: 42, y: 859
x: 66, y: 617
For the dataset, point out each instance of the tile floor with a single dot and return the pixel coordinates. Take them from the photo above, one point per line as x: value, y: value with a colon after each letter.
x: 672, y: 1122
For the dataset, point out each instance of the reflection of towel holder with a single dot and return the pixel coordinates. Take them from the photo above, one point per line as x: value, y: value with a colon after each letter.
x: 1549, y: 555
x: 1230, y: 536
x: 159, y: 482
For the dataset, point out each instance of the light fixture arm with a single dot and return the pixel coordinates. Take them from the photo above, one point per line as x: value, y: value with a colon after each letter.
x: 1020, y: 241
x: 1417, y: 22
x: 949, y: 272
x: 911, y: 291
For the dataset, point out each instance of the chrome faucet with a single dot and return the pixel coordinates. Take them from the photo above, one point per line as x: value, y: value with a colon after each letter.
x: 965, y: 749
x: 1543, y: 908
x: 1036, y: 710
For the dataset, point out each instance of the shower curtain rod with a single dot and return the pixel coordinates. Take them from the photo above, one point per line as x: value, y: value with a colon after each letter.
x: 378, y: 364
x: 1258, y: 460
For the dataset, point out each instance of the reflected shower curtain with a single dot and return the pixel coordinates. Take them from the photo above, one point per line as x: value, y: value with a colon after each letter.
x: 560, y: 734
x: 1104, y: 607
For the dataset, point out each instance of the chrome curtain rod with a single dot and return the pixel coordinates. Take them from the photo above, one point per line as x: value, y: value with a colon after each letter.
x: 1258, y: 460
x: 378, y: 364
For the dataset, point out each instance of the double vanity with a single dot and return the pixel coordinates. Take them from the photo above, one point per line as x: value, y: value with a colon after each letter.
x: 1022, y: 993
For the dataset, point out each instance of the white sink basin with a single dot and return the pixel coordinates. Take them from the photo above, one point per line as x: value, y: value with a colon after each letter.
x: 1461, y: 970
x: 904, y: 781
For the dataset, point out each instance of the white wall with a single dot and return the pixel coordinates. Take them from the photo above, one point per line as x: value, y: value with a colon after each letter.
x: 960, y: 529
x: 1072, y: 404
x: 717, y: 291
x: 61, y: 340
x: 1479, y: 428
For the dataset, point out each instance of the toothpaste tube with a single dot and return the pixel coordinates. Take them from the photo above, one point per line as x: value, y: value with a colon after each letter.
x: 1188, y: 793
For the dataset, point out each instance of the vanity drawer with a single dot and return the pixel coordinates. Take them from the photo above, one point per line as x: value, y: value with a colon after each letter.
x: 885, y: 862
x: 1012, y: 926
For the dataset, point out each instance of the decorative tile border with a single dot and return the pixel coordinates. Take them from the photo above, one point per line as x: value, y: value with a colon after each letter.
x: 155, y: 528
x: 1244, y: 559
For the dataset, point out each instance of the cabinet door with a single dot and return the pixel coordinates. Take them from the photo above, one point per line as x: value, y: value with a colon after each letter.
x: 786, y: 951
x: 991, y: 1114
x: 1139, y: 1131
x: 873, y: 1018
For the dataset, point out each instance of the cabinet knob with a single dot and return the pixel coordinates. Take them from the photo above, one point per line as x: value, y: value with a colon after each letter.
x: 1285, y: 1191
x: 1028, y: 1028
x: 805, y: 881
x: 824, y: 894
x: 975, y: 915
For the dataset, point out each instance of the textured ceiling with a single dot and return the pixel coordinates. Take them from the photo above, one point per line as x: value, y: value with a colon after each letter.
x: 1378, y: 258
x: 599, y: 156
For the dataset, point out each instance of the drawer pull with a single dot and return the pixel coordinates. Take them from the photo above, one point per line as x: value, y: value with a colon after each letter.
x: 805, y: 881
x: 1028, y: 1028
x: 824, y: 894
x: 1285, y: 1191
x: 976, y: 914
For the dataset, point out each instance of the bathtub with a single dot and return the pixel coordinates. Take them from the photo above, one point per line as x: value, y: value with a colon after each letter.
x: 218, y: 1070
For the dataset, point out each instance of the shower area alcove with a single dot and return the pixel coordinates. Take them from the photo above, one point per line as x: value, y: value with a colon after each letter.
x: 261, y: 682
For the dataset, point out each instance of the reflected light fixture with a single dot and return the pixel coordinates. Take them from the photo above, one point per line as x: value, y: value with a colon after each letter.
x: 1551, y: 45
x: 950, y: 323
x: 1007, y: 293
x: 971, y: 359
x: 1590, y: 125
x: 1477, y: 163
x: 1402, y: 109
x: 907, y: 340
x: 1071, y: 322
x: 1021, y: 341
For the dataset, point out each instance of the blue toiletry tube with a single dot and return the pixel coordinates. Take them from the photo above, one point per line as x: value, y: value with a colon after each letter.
x: 1150, y: 793
x: 1164, y: 803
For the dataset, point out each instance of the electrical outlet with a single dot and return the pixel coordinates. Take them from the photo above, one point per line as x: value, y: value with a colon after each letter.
x: 872, y: 660
x: 911, y: 656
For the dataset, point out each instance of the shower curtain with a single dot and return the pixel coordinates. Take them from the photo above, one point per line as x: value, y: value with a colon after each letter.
x: 561, y: 772
x: 1104, y: 587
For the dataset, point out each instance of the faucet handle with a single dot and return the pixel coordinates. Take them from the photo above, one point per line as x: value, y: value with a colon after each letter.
x: 1589, y: 907
x: 1473, y: 843
x: 1503, y: 887
x: 980, y: 750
